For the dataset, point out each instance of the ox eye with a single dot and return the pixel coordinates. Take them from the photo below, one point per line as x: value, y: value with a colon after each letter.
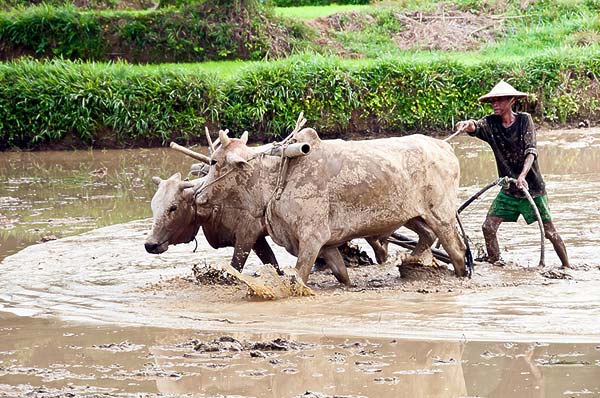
x: 172, y: 209
x: 213, y: 162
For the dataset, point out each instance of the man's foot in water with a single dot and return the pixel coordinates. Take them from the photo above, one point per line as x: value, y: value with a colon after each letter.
x: 495, y: 261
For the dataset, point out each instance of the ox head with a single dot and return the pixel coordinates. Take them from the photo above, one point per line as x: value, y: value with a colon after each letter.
x: 175, y: 217
x: 229, y: 170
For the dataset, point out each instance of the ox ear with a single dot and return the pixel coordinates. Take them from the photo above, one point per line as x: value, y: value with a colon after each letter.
x: 156, y: 180
x: 223, y: 138
x: 244, y: 138
x: 176, y: 176
x: 236, y: 160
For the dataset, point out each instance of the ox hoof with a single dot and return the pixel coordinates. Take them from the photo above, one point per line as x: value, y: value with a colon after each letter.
x: 406, y: 259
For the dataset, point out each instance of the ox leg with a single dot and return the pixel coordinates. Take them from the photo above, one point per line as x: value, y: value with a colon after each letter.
x: 240, y: 255
x: 421, y: 254
x: 264, y: 252
x: 448, y: 235
x: 308, y: 250
x: 334, y: 260
x: 380, y: 248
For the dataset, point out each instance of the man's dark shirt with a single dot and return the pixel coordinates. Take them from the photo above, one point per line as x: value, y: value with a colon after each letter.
x: 511, y: 145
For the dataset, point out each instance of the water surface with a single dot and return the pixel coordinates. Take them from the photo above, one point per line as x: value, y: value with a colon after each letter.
x: 537, y: 339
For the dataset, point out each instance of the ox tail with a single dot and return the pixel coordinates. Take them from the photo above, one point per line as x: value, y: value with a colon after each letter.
x: 468, y: 254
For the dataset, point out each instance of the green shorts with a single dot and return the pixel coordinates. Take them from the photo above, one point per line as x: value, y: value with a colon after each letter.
x: 509, y: 208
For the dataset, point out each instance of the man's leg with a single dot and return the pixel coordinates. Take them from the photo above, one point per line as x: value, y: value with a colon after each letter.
x: 490, y: 228
x: 557, y: 242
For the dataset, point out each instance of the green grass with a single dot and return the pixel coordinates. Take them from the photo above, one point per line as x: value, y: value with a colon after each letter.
x: 312, y: 12
x: 221, y: 69
x: 225, y: 69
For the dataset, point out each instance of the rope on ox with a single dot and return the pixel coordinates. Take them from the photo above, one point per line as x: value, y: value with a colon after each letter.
x: 283, y: 168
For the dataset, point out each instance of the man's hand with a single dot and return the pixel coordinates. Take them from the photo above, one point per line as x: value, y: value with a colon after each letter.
x: 522, y: 183
x: 465, y: 125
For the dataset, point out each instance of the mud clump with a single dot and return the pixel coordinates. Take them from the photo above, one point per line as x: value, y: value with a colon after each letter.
x: 411, y: 271
x: 267, y: 283
x: 124, y: 346
x: 230, y: 344
x: 224, y: 343
x: 206, y: 275
x: 354, y: 257
x: 556, y: 273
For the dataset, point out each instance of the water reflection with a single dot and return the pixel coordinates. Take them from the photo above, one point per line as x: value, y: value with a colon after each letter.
x: 65, y: 193
x: 81, y: 360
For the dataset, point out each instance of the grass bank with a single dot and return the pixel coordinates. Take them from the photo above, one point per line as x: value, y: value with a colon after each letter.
x: 209, y: 31
x: 119, y: 105
x: 195, y: 33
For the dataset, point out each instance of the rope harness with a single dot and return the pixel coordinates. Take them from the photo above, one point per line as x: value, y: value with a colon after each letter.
x: 279, y: 184
x: 281, y: 176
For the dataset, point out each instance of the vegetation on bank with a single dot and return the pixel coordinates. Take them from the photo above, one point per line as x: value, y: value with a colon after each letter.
x: 195, y: 33
x: 550, y: 49
x: 119, y: 105
x: 198, y: 31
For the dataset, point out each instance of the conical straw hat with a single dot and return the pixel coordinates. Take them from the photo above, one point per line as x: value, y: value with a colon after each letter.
x: 502, y: 89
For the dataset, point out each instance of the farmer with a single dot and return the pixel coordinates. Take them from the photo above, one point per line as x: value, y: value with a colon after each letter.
x: 512, y: 138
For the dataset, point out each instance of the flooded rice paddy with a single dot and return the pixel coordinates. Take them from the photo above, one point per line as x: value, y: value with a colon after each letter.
x: 93, y: 314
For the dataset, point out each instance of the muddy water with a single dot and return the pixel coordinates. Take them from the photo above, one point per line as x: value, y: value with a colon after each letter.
x: 546, y: 330
x: 64, y: 193
x: 48, y: 358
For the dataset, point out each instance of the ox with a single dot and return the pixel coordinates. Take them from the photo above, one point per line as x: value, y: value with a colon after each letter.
x: 177, y: 219
x: 340, y: 191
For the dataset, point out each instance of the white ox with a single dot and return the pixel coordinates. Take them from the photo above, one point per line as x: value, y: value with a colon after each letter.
x: 340, y: 191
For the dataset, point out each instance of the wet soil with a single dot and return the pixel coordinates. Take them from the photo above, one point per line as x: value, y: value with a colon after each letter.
x: 45, y: 358
x: 99, y: 317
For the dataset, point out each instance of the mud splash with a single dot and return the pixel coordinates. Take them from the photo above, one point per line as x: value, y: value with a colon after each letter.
x: 267, y: 282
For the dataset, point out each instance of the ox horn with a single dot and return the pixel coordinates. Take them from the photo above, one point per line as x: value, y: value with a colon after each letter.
x: 244, y: 137
x: 225, y: 140
x: 190, y: 153
x: 211, y: 148
x: 186, y: 184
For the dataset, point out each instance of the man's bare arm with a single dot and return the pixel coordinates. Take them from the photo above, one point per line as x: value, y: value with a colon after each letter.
x: 521, y: 182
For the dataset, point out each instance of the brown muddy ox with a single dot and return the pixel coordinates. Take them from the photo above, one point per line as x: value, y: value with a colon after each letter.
x: 340, y: 191
x: 177, y: 219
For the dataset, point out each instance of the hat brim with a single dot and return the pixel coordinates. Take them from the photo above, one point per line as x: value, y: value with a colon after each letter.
x: 489, y: 97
